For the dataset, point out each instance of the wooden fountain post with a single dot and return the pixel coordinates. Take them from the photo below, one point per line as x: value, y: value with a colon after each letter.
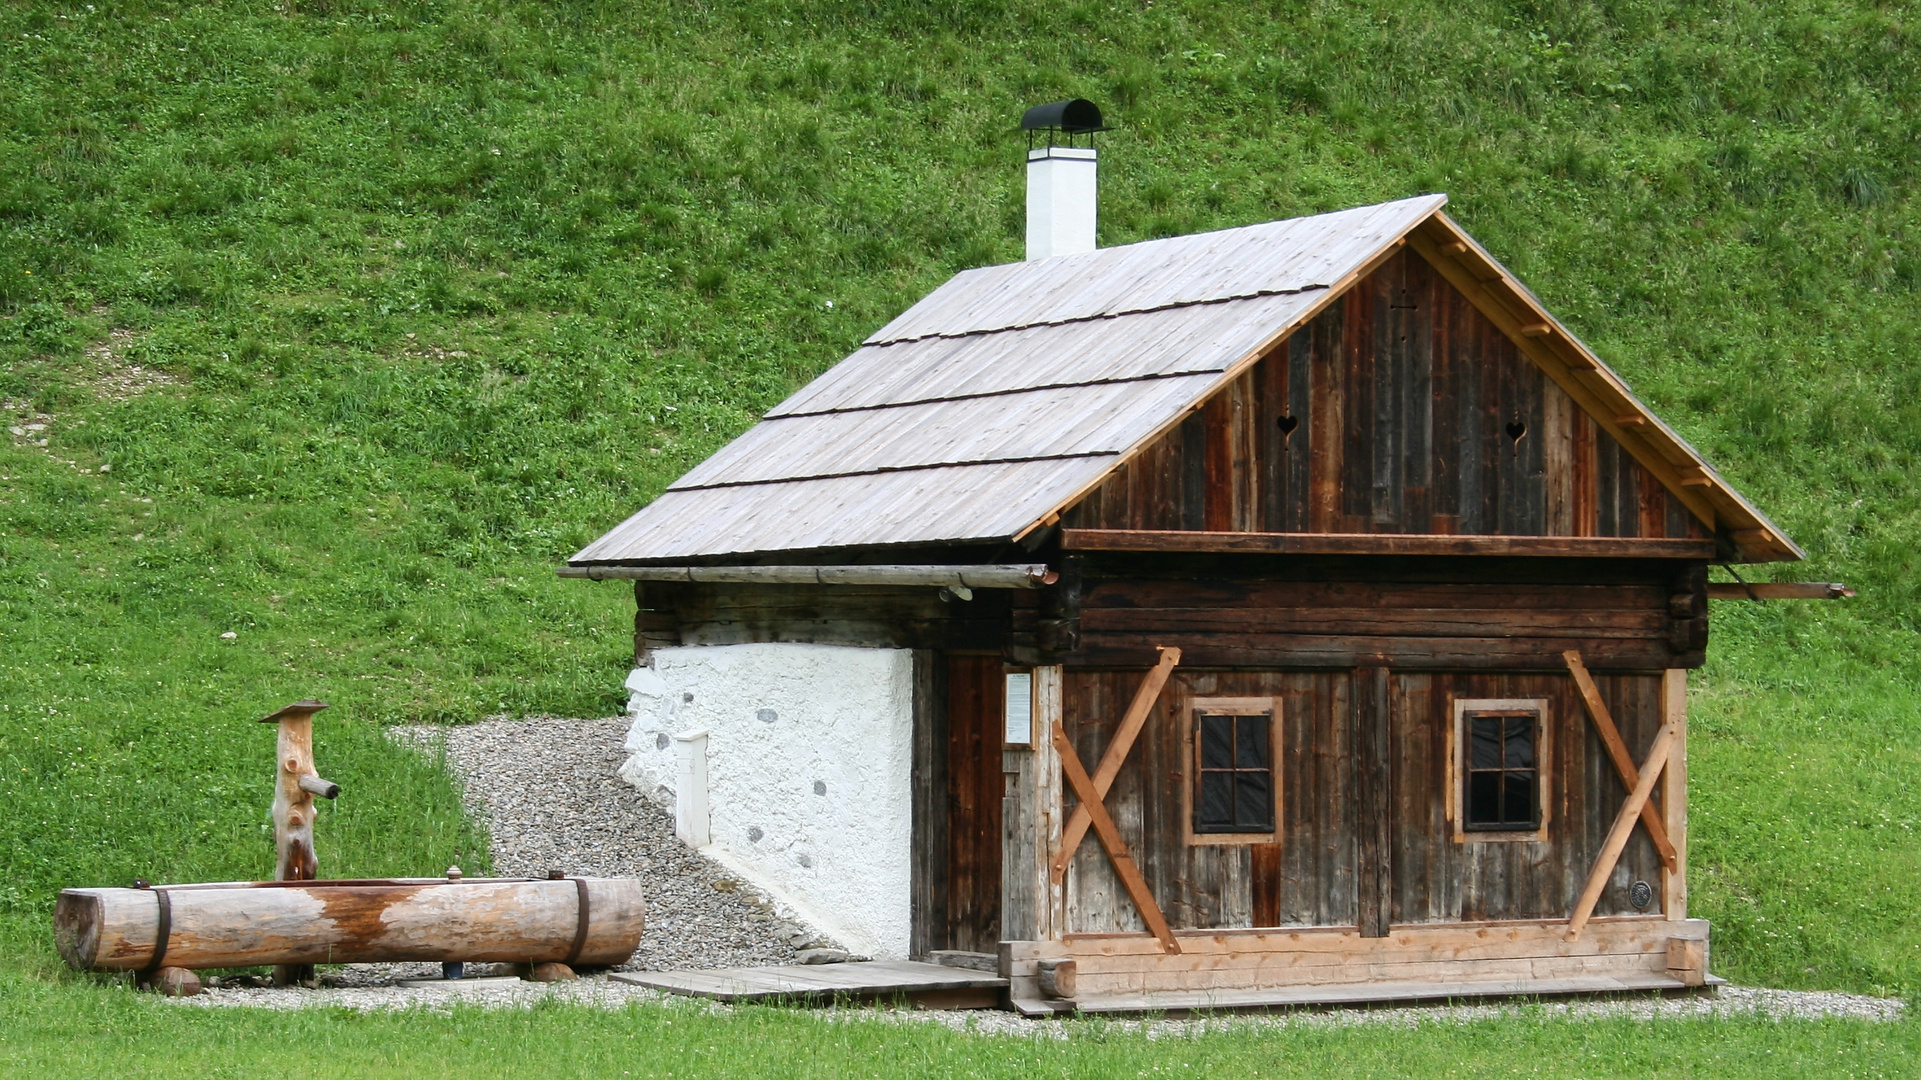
x: 297, y: 782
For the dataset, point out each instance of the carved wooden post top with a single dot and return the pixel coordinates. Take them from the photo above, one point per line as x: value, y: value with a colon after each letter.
x: 298, y: 710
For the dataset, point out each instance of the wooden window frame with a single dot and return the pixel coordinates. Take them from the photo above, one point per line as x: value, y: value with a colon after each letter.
x: 1190, y: 764
x: 1457, y: 772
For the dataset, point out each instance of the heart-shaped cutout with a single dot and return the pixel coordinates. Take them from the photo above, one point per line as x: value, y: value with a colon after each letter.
x: 1287, y: 424
x: 1516, y: 429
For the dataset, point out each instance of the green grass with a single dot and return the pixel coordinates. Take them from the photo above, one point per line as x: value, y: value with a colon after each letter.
x: 442, y: 290
x: 58, y: 1031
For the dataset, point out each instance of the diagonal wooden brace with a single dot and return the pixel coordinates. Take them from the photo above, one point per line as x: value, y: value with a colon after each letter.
x: 1623, y: 826
x: 1597, y: 711
x: 1115, y: 756
x: 1110, y: 837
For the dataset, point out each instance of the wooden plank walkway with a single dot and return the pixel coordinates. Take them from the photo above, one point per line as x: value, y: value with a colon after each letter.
x: 930, y: 986
x: 1379, y: 993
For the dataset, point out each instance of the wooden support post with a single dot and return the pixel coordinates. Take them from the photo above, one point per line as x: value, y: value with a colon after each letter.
x: 1674, y: 792
x: 1030, y: 822
x: 296, y: 784
x: 1110, y: 837
x: 1603, y: 720
x: 1115, y: 756
x: 1374, y: 781
x: 1617, y: 838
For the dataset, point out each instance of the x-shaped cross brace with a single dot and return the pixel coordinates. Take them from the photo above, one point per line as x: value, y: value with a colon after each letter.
x: 1093, y: 811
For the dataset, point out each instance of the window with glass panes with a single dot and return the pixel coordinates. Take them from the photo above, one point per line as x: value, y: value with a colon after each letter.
x: 1503, y: 779
x: 1234, y: 774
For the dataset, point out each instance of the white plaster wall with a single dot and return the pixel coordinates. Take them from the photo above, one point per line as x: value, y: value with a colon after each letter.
x: 809, y: 755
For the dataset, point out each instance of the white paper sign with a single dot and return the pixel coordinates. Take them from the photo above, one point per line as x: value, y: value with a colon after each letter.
x: 1020, y: 709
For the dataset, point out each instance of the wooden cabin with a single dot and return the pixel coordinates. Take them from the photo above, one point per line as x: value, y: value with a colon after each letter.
x: 1291, y: 613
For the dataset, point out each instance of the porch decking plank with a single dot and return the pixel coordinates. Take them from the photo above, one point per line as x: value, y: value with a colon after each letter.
x: 1371, y: 993
x: 866, y: 979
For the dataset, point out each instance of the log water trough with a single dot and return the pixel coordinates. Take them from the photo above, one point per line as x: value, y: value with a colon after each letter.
x: 164, y: 933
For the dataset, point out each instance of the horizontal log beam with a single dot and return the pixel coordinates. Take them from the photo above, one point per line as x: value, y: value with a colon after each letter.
x: 989, y: 576
x: 1583, y: 547
x: 1779, y: 590
x: 593, y: 921
x: 1303, y: 651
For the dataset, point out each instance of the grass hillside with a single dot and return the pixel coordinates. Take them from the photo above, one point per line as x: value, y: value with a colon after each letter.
x: 333, y: 326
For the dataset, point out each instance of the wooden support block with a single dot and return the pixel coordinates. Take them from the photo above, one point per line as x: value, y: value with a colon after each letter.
x: 1695, y: 477
x: 1535, y: 330
x: 1456, y: 247
x: 1688, y: 960
x: 1057, y: 977
x: 1630, y: 420
x: 552, y: 972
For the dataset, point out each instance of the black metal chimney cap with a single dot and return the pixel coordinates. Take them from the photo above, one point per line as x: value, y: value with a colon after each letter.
x: 1077, y: 117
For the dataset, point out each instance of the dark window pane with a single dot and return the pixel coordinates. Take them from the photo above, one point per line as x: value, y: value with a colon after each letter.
x: 1518, y: 807
x: 1251, y: 742
x: 1253, y: 801
x: 1216, y: 810
x: 1484, y: 798
x: 1217, y: 742
x: 1520, y: 742
x: 1484, y: 737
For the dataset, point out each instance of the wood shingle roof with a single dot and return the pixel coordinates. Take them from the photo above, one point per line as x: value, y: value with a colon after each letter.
x: 1005, y: 394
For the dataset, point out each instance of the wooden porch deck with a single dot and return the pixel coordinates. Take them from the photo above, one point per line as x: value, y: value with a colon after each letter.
x: 926, y: 986
x: 1185, y: 1002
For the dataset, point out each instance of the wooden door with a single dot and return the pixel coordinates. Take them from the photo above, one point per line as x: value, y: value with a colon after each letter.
x: 959, y: 782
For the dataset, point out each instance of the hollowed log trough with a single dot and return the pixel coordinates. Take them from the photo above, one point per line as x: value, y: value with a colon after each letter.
x: 580, y: 922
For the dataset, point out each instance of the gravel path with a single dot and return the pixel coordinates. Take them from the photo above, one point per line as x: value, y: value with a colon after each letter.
x: 549, y: 793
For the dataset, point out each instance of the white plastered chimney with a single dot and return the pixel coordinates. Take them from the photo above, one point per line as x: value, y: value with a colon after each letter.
x: 1061, y: 179
x: 1060, y: 200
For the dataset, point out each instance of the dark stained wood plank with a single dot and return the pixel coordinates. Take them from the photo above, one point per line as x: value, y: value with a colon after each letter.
x: 1375, y: 870
x: 1386, y: 418
x: 1232, y: 650
x: 974, y: 793
x: 1381, y: 544
x: 1216, y: 474
x: 1445, y: 450
x: 1389, y: 594
x: 1192, y: 463
x: 1398, y: 622
x: 1328, y: 418
x: 930, y: 884
x: 1265, y: 882
x: 1298, y: 447
x: 1584, y: 509
x: 1357, y: 363
x: 1652, y: 511
x: 1417, y: 409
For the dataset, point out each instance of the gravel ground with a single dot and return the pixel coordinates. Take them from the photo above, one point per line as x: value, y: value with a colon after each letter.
x: 552, y: 799
x: 550, y: 796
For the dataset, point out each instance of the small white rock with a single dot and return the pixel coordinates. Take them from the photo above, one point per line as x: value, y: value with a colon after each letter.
x: 229, y: 636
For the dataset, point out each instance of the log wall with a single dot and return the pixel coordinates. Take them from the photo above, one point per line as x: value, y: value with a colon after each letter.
x: 1325, y: 868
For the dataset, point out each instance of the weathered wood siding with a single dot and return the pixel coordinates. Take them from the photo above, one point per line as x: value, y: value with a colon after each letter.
x: 1315, y: 875
x: 1400, y: 409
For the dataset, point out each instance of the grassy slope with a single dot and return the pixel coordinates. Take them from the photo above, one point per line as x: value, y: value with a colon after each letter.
x: 444, y: 290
